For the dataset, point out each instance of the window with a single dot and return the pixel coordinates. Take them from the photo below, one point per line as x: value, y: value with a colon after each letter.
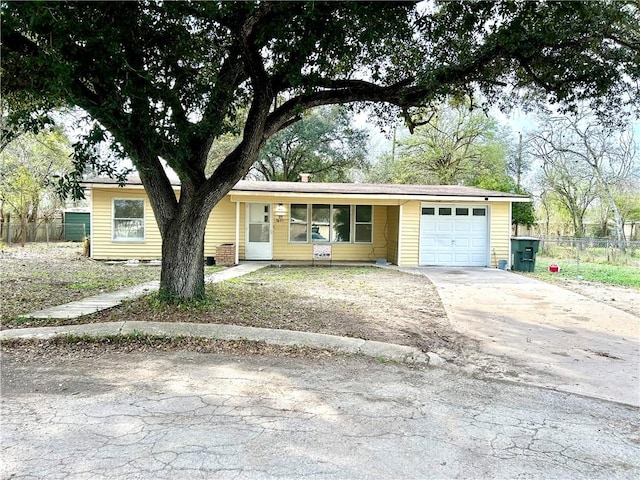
x: 364, y: 223
x: 479, y: 212
x: 444, y: 211
x: 341, y: 224
x: 428, y: 211
x: 128, y: 220
x: 462, y: 212
x: 320, y: 223
x: 330, y: 223
x: 298, y: 219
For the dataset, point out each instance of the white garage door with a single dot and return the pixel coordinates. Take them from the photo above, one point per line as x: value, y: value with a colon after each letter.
x: 454, y: 235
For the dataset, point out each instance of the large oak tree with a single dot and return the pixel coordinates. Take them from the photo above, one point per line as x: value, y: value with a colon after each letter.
x: 165, y: 79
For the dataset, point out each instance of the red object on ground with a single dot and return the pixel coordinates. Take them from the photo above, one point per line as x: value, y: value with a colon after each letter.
x: 554, y: 268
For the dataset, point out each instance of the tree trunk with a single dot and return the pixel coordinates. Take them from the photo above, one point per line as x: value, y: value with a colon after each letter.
x: 182, y: 274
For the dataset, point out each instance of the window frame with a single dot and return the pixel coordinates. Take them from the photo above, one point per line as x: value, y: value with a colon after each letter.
x: 356, y: 223
x: 114, y: 218
x: 331, y: 241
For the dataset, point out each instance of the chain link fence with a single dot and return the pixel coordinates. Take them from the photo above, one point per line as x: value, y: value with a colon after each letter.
x: 590, y: 250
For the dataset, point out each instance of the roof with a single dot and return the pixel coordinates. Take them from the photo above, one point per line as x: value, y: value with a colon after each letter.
x: 251, y: 187
x: 369, y: 189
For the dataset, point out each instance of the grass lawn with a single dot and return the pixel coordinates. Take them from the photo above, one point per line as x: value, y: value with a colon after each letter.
x: 622, y: 275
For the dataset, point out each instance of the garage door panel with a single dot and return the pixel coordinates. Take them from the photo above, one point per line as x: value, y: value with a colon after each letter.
x: 445, y: 227
x: 462, y: 242
x: 444, y: 258
x: 453, y: 235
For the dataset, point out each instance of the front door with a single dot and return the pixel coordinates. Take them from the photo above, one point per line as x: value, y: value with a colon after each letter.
x: 258, y: 245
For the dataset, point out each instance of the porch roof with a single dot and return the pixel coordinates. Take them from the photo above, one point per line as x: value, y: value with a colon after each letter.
x: 369, y: 189
x: 251, y: 188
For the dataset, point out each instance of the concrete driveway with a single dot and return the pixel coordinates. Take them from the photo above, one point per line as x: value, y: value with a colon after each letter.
x: 554, y: 337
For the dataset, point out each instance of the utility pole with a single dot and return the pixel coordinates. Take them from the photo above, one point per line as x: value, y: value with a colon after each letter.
x: 393, y: 145
x: 519, y: 161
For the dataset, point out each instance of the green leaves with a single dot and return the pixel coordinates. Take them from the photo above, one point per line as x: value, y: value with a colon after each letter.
x: 322, y: 143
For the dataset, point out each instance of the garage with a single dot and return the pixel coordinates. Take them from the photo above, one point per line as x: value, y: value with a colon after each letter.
x: 454, y: 235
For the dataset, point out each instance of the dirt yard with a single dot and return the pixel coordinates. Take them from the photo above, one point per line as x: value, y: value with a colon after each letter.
x: 363, y: 302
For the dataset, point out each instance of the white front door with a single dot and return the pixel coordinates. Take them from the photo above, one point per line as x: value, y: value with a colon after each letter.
x: 258, y: 245
x: 454, y: 235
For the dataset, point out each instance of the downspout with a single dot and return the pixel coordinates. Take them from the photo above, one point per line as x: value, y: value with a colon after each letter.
x: 237, y: 252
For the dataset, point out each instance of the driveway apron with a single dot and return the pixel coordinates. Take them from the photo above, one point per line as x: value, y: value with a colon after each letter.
x: 561, y: 339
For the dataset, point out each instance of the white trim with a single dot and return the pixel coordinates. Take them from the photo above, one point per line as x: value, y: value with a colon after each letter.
x: 237, y: 249
x: 91, y: 227
x: 400, y: 237
x: 509, y: 237
x: 144, y: 222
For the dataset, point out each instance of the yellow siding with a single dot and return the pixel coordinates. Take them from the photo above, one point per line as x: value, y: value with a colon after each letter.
x: 500, y: 231
x: 221, y: 226
x: 393, y: 216
x: 410, y: 234
x: 102, y: 245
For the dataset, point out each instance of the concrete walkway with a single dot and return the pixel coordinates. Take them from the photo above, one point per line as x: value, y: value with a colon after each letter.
x: 552, y: 336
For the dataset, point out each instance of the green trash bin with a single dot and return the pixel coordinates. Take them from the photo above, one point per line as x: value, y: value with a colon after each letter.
x: 523, y: 253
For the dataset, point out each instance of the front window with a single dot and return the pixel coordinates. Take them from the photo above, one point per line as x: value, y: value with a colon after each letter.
x: 128, y: 220
x: 330, y: 223
x: 298, y: 219
x: 341, y: 224
x: 364, y: 223
x: 320, y: 223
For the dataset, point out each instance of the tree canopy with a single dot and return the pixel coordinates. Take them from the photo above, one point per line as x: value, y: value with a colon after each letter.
x: 165, y: 79
x: 323, y: 144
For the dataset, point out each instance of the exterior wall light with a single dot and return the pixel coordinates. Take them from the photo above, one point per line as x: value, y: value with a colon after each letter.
x: 280, y: 212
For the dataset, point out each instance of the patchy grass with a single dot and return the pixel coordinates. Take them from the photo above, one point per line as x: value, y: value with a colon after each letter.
x: 621, y: 275
x: 362, y: 302
x: 39, y: 276
x: 33, y: 279
x: 285, y: 298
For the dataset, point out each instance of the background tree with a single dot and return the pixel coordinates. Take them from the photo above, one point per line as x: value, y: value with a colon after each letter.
x: 28, y: 164
x: 455, y: 146
x: 572, y: 185
x: 323, y: 144
x: 585, y: 157
x: 166, y: 79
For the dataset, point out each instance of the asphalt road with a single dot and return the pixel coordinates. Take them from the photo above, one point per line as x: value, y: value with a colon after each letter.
x: 188, y: 415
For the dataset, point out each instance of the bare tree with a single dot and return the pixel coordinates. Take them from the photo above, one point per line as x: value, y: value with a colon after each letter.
x: 581, y: 150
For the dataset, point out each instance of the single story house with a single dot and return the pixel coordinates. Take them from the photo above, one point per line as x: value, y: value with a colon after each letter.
x: 407, y: 225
